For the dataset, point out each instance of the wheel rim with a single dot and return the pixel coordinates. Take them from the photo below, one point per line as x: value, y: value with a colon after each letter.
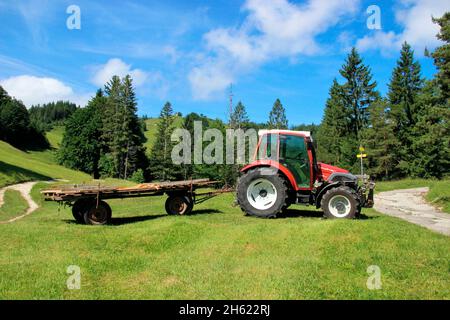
x: 262, y: 194
x: 98, y: 215
x: 339, y: 206
x: 178, y: 206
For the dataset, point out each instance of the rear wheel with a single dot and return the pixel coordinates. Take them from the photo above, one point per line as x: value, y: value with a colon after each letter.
x: 262, y: 192
x: 97, y: 215
x: 179, y: 205
x: 79, y: 208
x: 340, y: 203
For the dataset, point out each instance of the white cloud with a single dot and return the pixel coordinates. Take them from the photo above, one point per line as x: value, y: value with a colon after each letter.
x: 414, y: 16
x: 272, y: 29
x: 33, y: 90
x: 116, y: 67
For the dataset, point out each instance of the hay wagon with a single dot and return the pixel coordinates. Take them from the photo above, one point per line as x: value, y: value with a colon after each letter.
x: 89, y: 205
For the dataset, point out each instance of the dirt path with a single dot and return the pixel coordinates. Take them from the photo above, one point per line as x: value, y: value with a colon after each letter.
x: 24, y: 189
x: 410, y: 205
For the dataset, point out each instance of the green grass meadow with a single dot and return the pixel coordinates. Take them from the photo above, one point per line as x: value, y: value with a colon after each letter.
x: 214, y: 253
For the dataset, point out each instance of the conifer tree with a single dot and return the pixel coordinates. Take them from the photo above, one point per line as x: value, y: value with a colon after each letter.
x: 358, y: 91
x: 404, y: 89
x: 161, y: 165
x: 430, y: 146
x: 239, y: 118
x: 441, y: 55
x: 335, y: 135
x: 121, y: 133
x: 380, y: 142
x: 277, y: 116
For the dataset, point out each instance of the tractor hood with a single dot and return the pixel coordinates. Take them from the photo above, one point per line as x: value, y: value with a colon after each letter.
x: 326, y: 170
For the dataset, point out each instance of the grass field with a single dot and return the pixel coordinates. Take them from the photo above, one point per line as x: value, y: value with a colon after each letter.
x: 215, y: 253
x: 14, y: 206
x: 218, y: 253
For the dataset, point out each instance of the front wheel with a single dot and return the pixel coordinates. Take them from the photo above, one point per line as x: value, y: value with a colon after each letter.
x: 340, y: 203
x: 262, y: 192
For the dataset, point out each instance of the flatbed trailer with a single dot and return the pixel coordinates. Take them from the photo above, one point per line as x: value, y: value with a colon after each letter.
x: 89, y: 206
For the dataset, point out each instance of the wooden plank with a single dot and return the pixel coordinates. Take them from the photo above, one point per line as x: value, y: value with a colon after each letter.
x: 72, y: 192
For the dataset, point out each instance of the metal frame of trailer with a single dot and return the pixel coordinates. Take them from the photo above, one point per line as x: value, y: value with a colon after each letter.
x: 89, y: 207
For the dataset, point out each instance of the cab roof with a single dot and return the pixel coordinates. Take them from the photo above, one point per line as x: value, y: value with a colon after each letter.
x: 286, y: 132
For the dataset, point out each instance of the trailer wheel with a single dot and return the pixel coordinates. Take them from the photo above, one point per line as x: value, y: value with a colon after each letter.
x: 79, y: 208
x: 179, y: 205
x: 340, y: 203
x: 98, y: 215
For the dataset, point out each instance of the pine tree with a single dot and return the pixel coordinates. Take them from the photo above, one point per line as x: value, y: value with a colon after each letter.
x: 135, y: 151
x: 239, y: 118
x: 277, y: 116
x: 380, y: 141
x: 431, y: 135
x: 335, y: 139
x: 122, y: 134
x: 161, y: 165
x: 404, y: 89
x: 441, y: 56
x: 358, y: 91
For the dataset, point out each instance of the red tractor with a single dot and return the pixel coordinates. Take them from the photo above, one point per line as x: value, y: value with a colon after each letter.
x: 285, y: 172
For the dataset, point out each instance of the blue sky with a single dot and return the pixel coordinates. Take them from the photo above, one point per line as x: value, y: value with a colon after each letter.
x: 188, y: 52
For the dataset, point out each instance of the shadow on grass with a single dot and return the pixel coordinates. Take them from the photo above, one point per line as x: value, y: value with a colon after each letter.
x: 127, y: 220
x: 293, y: 213
x: 11, y: 170
x: 119, y: 221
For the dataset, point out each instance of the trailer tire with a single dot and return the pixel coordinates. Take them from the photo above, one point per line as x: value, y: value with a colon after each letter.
x: 97, y: 215
x: 340, y: 203
x: 262, y: 192
x: 179, y: 205
x: 78, y: 209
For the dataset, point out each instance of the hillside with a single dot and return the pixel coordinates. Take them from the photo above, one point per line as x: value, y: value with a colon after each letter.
x: 152, y: 129
x: 19, y: 166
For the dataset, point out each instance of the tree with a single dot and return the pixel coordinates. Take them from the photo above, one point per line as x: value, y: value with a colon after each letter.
x: 430, y: 145
x: 381, y: 142
x: 335, y: 138
x: 441, y: 55
x: 122, y: 134
x: 161, y: 165
x: 81, y: 147
x: 239, y: 118
x: 135, y: 151
x: 358, y: 91
x: 277, y: 116
x: 15, y: 125
x: 346, y: 113
x: 54, y: 113
x: 404, y: 89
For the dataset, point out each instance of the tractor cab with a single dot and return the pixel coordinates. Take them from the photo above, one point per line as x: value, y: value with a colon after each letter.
x: 292, y: 152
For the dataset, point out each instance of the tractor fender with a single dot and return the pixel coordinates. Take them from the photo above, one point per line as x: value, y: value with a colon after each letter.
x: 274, y: 164
x: 324, y: 190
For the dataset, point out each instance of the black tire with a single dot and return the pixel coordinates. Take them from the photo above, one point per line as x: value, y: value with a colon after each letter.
x: 340, y: 203
x: 97, y: 215
x: 179, y: 205
x: 79, y: 208
x: 269, y: 177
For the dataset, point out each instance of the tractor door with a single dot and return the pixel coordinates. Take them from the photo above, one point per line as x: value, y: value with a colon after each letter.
x: 294, y: 156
